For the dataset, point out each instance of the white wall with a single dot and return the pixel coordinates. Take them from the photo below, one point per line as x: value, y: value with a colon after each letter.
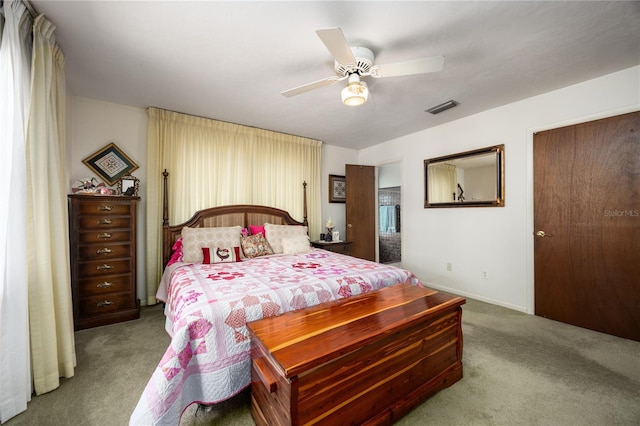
x: 390, y: 175
x: 333, y: 160
x: 95, y: 124
x: 498, y: 240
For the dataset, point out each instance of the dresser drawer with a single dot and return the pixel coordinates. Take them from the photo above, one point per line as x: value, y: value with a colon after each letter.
x: 103, y: 285
x: 106, y: 236
x: 104, y: 267
x: 103, y: 207
x: 104, y: 251
x: 110, y: 302
x: 104, y: 222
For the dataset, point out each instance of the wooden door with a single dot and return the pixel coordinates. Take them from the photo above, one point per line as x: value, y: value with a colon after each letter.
x: 361, y: 210
x: 587, y: 225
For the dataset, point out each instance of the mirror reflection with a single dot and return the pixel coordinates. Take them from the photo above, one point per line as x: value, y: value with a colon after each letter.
x: 472, y: 178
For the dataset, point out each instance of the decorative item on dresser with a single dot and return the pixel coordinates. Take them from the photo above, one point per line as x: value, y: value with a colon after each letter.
x: 343, y: 247
x: 102, y: 234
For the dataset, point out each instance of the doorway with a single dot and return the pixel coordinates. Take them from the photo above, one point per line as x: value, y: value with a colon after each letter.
x: 389, y: 213
x: 587, y: 225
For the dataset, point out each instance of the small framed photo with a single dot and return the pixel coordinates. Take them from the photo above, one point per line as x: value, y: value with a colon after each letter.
x: 128, y: 185
x: 110, y: 163
x: 337, y: 189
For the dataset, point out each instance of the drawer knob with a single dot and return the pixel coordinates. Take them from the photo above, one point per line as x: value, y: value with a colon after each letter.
x: 104, y: 303
x: 105, y: 236
x: 105, y: 284
x: 105, y: 250
x: 104, y: 267
x: 105, y: 208
x: 105, y: 222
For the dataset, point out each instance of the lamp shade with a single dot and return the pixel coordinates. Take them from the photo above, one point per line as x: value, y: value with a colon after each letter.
x: 356, y: 93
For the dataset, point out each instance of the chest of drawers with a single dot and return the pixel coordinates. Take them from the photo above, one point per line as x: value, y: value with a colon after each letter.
x: 102, y: 233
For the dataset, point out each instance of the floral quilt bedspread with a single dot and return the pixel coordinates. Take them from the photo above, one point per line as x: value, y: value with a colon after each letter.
x: 209, y: 305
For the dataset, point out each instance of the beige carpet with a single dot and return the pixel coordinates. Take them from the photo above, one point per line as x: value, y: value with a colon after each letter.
x: 518, y: 370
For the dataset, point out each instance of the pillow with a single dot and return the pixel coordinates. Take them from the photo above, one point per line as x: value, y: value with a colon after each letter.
x: 176, y: 255
x: 255, y: 245
x: 256, y: 229
x: 275, y: 234
x: 193, y: 239
x: 296, y: 244
x: 220, y: 254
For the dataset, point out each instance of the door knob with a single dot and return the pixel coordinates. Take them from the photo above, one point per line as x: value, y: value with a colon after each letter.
x: 542, y: 234
x: 349, y: 225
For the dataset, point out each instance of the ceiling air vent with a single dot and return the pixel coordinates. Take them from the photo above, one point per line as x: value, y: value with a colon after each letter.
x: 443, y: 107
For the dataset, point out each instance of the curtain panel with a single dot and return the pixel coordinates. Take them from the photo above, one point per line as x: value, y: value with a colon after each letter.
x: 50, y: 306
x: 36, y: 325
x: 15, y: 74
x: 214, y: 163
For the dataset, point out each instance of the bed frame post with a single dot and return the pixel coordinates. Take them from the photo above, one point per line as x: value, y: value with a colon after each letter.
x: 165, y: 200
x: 304, y: 219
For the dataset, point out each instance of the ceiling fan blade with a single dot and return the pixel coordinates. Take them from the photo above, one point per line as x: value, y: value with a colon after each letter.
x: 311, y: 86
x: 416, y: 66
x: 337, y: 44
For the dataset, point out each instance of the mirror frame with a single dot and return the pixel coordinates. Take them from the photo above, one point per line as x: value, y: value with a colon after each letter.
x: 497, y: 202
x: 126, y: 182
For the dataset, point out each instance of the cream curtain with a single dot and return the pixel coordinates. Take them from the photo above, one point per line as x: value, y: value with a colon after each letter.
x: 15, y: 56
x: 442, y: 183
x: 214, y: 163
x: 50, y: 307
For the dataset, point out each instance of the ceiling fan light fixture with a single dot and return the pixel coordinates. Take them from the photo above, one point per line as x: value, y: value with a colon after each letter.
x: 356, y: 93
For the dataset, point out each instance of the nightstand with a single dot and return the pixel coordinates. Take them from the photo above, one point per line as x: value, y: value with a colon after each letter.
x: 342, y: 247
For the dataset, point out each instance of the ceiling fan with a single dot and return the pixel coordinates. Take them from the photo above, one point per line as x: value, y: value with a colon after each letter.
x: 353, y: 63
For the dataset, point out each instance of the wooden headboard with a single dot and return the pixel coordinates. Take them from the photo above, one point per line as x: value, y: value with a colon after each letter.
x: 232, y: 215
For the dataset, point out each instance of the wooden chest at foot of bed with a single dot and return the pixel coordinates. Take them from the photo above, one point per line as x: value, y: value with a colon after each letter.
x: 363, y: 360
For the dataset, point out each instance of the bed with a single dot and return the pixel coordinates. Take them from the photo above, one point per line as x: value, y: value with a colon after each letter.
x: 207, y: 305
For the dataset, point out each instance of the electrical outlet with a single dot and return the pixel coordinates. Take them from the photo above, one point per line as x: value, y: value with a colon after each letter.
x: 449, y: 266
x: 485, y: 274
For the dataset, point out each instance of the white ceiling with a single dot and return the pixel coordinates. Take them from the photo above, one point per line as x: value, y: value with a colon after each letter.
x: 230, y: 60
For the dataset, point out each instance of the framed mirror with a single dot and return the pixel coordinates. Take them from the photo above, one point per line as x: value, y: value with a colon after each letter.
x: 128, y: 185
x: 467, y: 179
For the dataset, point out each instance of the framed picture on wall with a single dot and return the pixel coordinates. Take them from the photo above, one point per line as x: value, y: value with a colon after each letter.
x: 337, y: 189
x: 110, y: 163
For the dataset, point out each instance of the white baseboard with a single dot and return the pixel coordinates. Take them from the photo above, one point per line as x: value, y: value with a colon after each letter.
x: 474, y: 296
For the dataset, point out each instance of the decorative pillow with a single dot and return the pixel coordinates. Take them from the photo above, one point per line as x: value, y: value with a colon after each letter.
x: 275, y: 234
x: 220, y: 254
x: 296, y: 244
x: 255, y: 245
x: 245, y: 232
x: 176, y: 255
x: 193, y: 239
x: 256, y: 229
